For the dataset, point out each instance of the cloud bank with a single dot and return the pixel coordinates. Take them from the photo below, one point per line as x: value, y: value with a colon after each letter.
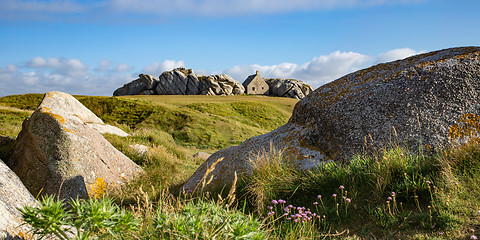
x: 55, y: 9
x: 39, y: 74
x: 318, y: 71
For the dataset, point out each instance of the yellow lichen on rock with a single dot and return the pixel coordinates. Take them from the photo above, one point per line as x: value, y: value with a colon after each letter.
x: 98, y: 188
x: 469, y: 125
x: 56, y: 116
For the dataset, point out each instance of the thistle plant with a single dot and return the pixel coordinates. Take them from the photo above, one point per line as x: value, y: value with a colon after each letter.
x: 83, y: 219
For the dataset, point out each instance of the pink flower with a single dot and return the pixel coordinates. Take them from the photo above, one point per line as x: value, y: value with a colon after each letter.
x: 334, y: 195
x: 281, y: 201
x: 315, y: 203
x: 319, y: 196
x: 473, y: 237
x: 341, y: 187
x: 275, y: 202
x: 348, y: 200
x: 393, y: 194
x: 389, y: 198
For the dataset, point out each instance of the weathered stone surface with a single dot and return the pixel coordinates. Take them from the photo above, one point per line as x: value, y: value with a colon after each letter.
x: 221, y: 85
x: 58, y: 152
x: 172, y: 83
x: 106, y: 128
x: 288, y: 88
x: 139, y: 148
x: 182, y: 81
x: 426, y: 100
x: 201, y: 155
x: 13, y: 195
x: 142, y: 85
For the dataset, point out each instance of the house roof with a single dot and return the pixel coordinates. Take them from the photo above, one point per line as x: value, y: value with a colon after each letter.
x: 249, y: 80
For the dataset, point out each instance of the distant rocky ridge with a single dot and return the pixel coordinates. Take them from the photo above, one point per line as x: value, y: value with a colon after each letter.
x: 182, y: 81
x: 426, y: 101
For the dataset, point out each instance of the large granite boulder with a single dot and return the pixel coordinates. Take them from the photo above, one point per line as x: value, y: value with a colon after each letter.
x: 179, y: 81
x: 291, y: 88
x: 425, y: 101
x: 182, y: 81
x: 221, y: 85
x: 13, y: 195
x: 144, y: 85
x: 58, y: 152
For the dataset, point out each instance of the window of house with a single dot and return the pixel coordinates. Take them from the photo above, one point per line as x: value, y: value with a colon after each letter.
x: 253, y: 88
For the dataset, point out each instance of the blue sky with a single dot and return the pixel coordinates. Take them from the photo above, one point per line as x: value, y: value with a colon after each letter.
x: 93, y: 47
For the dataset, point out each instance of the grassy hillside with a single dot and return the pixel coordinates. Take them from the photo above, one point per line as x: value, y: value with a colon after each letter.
x: 210, y: 122
x: 393, y: 194
x: 174, y: 127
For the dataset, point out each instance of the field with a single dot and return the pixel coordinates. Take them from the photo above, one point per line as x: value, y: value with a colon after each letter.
x: 390, y: 194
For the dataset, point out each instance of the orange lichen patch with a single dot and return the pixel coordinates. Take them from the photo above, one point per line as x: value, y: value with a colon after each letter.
x: 98, y: 188
x: 469, y: 125
x: 68, y: 130
x: 59, y: 118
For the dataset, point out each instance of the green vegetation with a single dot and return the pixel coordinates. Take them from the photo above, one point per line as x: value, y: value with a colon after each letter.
x: 389, y: 194
x: 85, y: 219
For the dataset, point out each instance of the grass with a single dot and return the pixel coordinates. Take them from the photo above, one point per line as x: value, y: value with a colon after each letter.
x: 388, y: 194
x: 393, y: 194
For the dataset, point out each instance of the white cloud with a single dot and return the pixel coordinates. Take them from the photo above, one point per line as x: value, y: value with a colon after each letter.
x: 317, y: 72
x: 62, y: 66
x: 73, y: 76
x: 157, y: 68
x: 396, y: 54
x: 56, y: 6
x: 228, y: 7
x: 103, y: 66
x: 40, y: 75
x: 122, y: 67
x: 59, y: 10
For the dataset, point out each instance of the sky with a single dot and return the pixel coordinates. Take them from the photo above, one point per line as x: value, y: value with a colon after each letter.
x: 92, y: 47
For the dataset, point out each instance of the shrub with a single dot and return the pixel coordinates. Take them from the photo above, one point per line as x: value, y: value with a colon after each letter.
x: 83, y: 219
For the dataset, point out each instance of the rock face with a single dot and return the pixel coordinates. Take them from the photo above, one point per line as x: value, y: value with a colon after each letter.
x: 429, y: 100
x: 58, y: 152
x: 182, y: 81
x: 288, y: 88
x: 13, y: 195
x: 145, y: 84
x: 221, y: 85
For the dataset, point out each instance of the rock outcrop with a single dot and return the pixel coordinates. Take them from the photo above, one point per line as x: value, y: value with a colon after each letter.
x: 13, y: 195
x: 144, y: 85
x: 429, y: 100
x: 291, y: 88
x: 58, y: 152
x: 221, y: 85
x: 182, y: 81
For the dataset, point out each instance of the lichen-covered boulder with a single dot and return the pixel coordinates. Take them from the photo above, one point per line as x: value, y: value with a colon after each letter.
x: 425, y: 101
x: 291, y: 88
x: 13, y: 195
x: 221, y: 85
x: 144, y: 85
x: 58, y: 152
x: 179, y: 81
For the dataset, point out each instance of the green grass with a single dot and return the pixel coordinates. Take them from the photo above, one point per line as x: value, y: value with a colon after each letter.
x: 392, y: 193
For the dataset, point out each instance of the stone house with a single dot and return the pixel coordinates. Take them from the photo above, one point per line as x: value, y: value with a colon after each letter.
x: 254, y: 84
